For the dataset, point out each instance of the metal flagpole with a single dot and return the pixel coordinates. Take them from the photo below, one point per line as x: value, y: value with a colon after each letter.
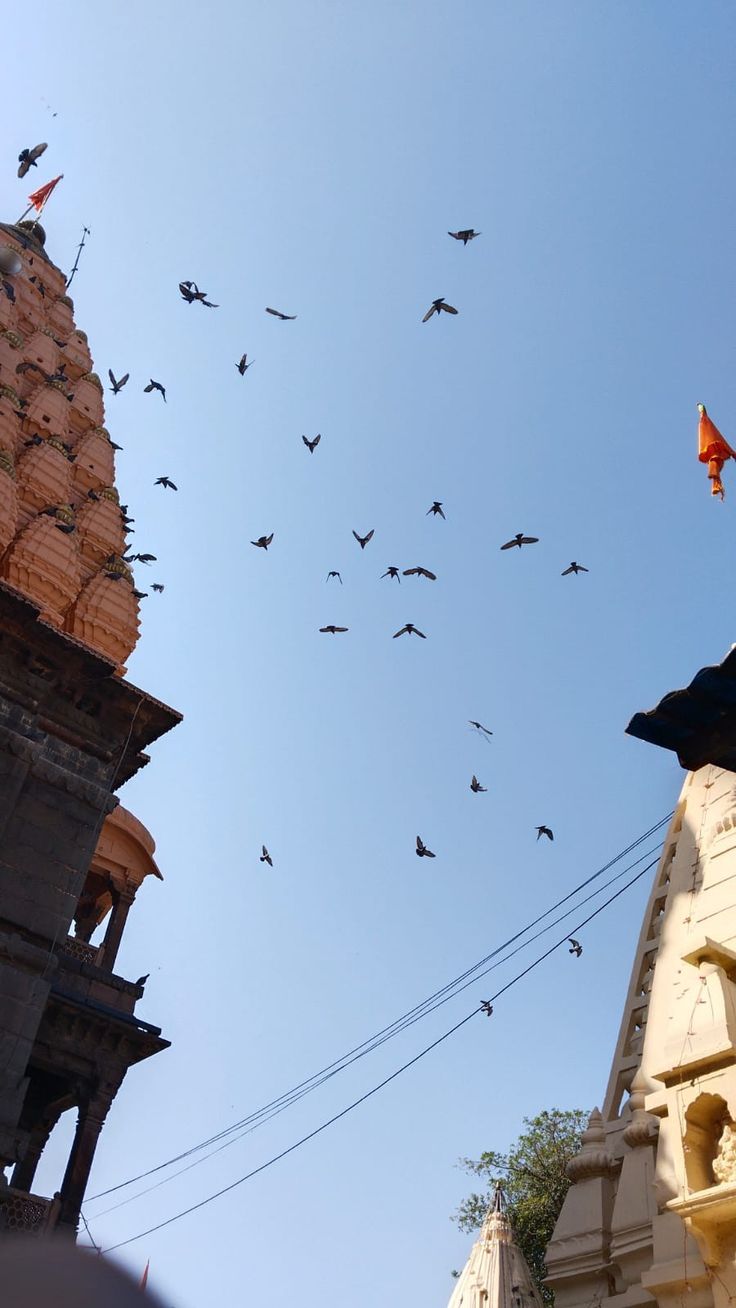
x: 85, y: 233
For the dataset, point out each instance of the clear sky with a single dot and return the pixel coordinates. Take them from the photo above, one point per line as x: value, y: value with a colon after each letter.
x: 312, y: 156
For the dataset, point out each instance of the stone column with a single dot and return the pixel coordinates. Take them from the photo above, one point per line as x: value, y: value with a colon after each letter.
x: 25, y: 1170
x: 91, y: 1119
x: 115, y: 928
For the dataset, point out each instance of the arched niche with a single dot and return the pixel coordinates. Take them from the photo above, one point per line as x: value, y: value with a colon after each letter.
x: 704, y: 1122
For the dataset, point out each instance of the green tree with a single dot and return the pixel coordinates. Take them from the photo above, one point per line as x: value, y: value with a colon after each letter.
x: 535, y: 1183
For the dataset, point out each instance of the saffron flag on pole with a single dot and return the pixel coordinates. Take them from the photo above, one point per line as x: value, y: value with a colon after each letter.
x: 144, y: 1278
x: 39, y: 197
x: 713, y: 450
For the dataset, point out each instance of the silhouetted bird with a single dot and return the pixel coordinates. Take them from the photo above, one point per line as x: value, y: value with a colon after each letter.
x: 265, y: 856
x: 333, y: 630
x: 8, y: 291
x: 434, y: 509
x: 285, y: 317
x: 421, y: 849
x: 166, y: 481
x: 363, y: 540
x: 29, y: 158
x: 479, y: 727
x: 334, y: 574
x: 544, y: 831
x: 420, y: 572
x: 438, y: 306
x: 191, y: 293
x: 263, y: 542
x: 574, y: 567
x: 486, y: 1007
x: 117, y: 385
x: 140, y: 594
x: 391, y: 572
x: 157, y: 587
x: 40, y: 286
x: 476, y: 787
x: 155, y: 386
x: 243, y: 365
x: 467, y: 234
x: 142, y: 979
x: 410, y: 630
x: 520, y: 540
x: 312, y: 445
x: 140, y: 558
x: 575, y: 947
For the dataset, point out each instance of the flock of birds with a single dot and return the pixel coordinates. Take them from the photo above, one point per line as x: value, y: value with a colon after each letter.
x: 192, y: 294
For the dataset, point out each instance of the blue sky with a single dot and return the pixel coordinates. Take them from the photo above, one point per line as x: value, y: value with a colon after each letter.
x: 312, y: 156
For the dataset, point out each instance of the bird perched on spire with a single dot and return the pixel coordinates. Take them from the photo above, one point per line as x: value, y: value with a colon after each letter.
x: 574, y: 567
x: 467, y: 234
x: 421, y: 850
x: 575, y: 947
x: 520, y: 540
x: 713, y: 450
x: 544, y: 831
x: 438, y: 306
x: 191, y: 293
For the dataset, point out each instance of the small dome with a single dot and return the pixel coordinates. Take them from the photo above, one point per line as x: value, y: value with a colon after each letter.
x: 105, y: 615
x: 44, y: 563
x: 32, y: 231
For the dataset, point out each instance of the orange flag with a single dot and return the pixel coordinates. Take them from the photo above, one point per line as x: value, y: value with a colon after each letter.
x: 39, y: 197
x: 144, y: 1278
x: 713, y: 450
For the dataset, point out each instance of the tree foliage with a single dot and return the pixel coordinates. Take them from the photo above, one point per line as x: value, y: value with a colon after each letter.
x: 535, y: 1183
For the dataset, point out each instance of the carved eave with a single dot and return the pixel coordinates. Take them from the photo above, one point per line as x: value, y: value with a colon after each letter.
x: 77, y: 1035
x: 73, y: 691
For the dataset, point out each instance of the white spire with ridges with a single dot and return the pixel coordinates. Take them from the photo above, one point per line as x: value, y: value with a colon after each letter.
x: 496, y: 1274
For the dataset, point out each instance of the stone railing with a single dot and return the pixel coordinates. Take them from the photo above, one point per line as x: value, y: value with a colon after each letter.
x: 78, y: 949
x: 20, y: 1212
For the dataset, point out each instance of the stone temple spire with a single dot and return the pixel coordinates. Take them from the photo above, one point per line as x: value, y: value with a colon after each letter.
x: 496, y: 1274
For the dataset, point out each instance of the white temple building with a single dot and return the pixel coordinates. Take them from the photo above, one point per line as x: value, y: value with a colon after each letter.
x: 496, y: 1274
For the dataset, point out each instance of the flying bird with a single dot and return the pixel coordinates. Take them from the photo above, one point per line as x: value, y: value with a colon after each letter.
x: 575, y: 946
x: 191, y: 293
x: 467, y: 234
x: 421, y: 849
x: 155, y: 386
x: 140, y: 594
x: 520, y: 540
x: 410, y: 630
x: 139, y: 558
x: 334, y: 574
x: 265, y: 856
x: 420, y: 572
x: 476, y: 787
x: 312, y: 445
x: 243, y: 365
x: 263, y: 542
x: 391, y: 572
x: 159, y: 589
x: 574, y: 567
x: 479, y: 727
x: 332, y: 629
x: 363, y: 540
x: 142, y: 979
x: 166, y: 481
x: 438, y: 306
x: 434, y: 509
x: 29, y: 158
x: 544, y: 831
x: 486, y: 1007
x: 117, y: 385
x: 285, y: 317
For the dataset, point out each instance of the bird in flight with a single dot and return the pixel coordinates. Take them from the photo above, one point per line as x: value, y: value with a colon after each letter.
x: 574, y: 567
x: 166, y: 481
x: 191, y: 293
x: 155, y: 386
x: 312, y: 445
x: 575, y: 947
x: 467, y: 234
x: 438, y: 306
x: 263, y: 542
x: 391, y: 572
x: 117, y: 385
x: 479, y: 727
x: 285, y: 317
x: 421, y: 849
x: 435, y: 508
x: 140, y: 594
x: 476, y: 787
x: 157, y: 587
x: 410, y: 630
x: 29, y: 158
x: 544, y: 831
x: 140, y: 558
x: 333, y: 630
x: 243, y: 365
x: 334, y: 574
x: 520, y: 539
x: 420, y: 572
x: 363, y: 540
x: 486, y: 1007
x: 265, y: 856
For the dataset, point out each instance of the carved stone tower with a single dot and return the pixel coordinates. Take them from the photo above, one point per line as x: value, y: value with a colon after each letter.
x: 496, y: 1274
x: 651, y: 1214
x: 72, y: 730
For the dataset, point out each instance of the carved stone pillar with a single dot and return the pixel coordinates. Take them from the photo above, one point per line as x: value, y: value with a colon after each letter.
x: 91, y: 1119
x: 115, y: 928
x: 578, y: 1256
x: 25, y: 1170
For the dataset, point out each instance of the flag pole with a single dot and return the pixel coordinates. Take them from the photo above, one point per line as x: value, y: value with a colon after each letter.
x: 85, y: 233
x: 40, y: 207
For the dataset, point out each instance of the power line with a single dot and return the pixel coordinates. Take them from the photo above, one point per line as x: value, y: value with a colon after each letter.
x: 381, y: 1084
x: 400, y: 1024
